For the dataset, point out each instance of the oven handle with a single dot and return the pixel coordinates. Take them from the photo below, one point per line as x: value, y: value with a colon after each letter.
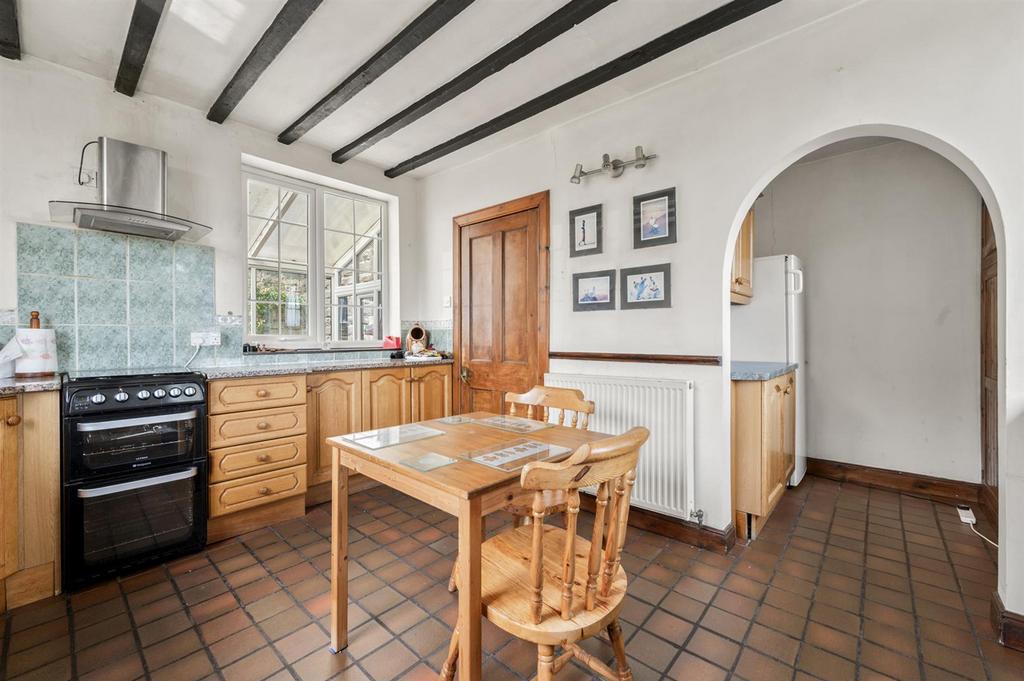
x: 141, y: 421
x: 137, y: 484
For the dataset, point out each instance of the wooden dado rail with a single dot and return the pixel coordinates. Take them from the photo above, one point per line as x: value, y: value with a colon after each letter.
x: 704, y: 360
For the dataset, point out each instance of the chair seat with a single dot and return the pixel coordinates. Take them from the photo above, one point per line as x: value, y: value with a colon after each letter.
x: 507, y: 588
x: 555, y: 501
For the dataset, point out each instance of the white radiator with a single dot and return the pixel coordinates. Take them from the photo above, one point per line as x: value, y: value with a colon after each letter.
x: 664, y: 477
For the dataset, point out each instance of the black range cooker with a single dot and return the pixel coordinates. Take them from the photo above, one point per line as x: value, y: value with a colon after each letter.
x: 133, y: 472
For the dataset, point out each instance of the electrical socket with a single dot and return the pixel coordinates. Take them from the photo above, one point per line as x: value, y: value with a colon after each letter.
x: 966, y: 514
x: 205, y: 338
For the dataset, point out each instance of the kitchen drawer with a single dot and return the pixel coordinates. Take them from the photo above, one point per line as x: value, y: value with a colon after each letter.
x: 256, y: 490
x: 256, y: 426
x: 239, y: 461
x: 241, y: 394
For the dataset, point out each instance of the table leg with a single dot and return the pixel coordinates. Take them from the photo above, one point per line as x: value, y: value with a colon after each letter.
x: 339, y: 553
x: 470, y: 657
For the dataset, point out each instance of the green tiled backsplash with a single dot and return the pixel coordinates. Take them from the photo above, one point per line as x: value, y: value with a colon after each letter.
x: 115, y: 301
x: 120, y: 302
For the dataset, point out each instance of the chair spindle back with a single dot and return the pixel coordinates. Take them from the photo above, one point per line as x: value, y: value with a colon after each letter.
x: 611, y: 465
x: 541, y: 399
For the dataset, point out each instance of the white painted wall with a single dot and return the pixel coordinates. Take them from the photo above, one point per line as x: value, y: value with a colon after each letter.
x: 890, y: 242
x: 904, y: 69
x: 48, y: 112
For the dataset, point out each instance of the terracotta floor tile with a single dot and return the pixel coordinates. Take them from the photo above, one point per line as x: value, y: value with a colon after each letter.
x: 302, y: 642
x: 192, y: 668
x: 237, y: 646
x: 104, y: 653
x: 37, y: 656
x: 687, y: 667
x: 825, y: 665
x: 172, y: 649
x: 259, y: 665
x: 125, y: 668
x: 711, y: 647
x: 388, y: 662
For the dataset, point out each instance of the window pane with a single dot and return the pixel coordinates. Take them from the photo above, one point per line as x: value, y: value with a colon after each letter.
x: 263, y: 235
x: 345, y: 278
x: 262, y: 199
x: 263, y: 318
x: 367, y: 218
x: 266, y: 285
x: 345, y: 330
x: 337, y: 213
x: 294, y: 287
x: 294, y: 207
x: 293, y: 319
x: 294, y: 243
x: 369, y: 255
x: 369, y: 323
x: 368, y: 280
x: 337, y: 249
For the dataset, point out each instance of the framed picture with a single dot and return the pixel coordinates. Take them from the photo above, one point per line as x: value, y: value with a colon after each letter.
x: 654, y: 218
x: 647, y: 286
x: 585, y: 231
x: 593, y: 291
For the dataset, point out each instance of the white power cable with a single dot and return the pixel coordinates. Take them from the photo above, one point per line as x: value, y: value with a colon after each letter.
x: 971, y: 525
x: 192, y: 358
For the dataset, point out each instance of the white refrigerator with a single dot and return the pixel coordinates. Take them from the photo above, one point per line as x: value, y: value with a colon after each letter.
x: 770, y: 328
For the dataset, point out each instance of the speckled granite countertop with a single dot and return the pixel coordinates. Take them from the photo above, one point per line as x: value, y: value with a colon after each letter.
x: 11, y: 386
x: 284, y: 368
x: 759, y: 371
x: 14, y: 386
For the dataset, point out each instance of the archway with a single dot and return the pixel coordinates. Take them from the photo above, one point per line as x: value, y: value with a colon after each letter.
x: 915, y: 137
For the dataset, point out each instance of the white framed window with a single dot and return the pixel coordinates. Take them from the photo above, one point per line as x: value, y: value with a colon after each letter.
x: 316, y: 270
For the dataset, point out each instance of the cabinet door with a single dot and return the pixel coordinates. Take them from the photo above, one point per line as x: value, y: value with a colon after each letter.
x: 9, y: 423
x: 773, y: 436
x: 332, y: 408
x: 431, y: 392
x: 742, y: 287
x: 386, y: 398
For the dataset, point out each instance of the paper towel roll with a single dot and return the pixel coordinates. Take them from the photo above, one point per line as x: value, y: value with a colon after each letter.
x: 39, y: 353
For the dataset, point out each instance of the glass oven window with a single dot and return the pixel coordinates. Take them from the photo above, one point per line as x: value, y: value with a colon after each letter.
x: 106, y: 444
x: 123, y: 521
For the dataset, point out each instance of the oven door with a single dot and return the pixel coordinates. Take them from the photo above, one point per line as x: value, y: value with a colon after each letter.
x: 124, y: 523
x: 105, y: 446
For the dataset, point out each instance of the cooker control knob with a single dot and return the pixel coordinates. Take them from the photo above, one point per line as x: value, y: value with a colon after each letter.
x: 175, y: 392
x: 159, y: 393
x: 98, y: 398
x: 121, y: 396
x: 142, y: 394
x: 190, y: 391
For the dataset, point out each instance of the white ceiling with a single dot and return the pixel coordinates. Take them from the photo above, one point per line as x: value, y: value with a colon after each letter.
x: 200, y: 43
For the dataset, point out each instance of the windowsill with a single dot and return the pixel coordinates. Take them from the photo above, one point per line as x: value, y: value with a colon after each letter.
x: 311, y: 351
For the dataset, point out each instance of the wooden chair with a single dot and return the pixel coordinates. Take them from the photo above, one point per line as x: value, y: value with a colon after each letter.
x: 539, y: 402
x: 529, y: 574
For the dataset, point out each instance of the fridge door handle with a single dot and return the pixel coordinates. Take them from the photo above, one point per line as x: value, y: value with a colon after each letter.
x: 798, y: 281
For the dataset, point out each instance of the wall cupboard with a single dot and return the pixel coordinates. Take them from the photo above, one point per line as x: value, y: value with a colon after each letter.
x: 763, y: 448
x: 742, y: 282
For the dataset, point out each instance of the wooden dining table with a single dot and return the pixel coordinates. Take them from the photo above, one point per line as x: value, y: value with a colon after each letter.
x: 466, y: 489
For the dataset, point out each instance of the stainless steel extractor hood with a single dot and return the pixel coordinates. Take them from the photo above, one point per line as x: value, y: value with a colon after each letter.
x: 132, y: 183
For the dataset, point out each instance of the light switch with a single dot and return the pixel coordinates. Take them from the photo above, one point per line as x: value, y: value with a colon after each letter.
x: 447, y: 301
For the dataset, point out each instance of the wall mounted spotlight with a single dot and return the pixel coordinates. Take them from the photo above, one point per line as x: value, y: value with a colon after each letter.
x: 613, y: 167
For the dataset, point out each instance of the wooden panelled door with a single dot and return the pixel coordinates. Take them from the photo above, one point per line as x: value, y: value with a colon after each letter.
x: 989, y: 369
x: 501, y: 301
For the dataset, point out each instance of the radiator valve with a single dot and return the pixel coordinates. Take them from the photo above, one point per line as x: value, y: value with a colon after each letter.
x: 699, y: 515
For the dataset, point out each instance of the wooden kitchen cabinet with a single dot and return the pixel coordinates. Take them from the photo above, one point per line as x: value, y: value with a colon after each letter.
x: 763, y: 448
x: 10, y: 419
x: 333, y: 407
x: 742, y: 286
x: 29, y: 498
x: 387, y: 398
x: 431, y: 392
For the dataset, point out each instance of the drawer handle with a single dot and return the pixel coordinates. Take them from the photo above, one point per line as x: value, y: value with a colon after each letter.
x: 13, y: 420
x: 262, y: 425
x: 264, y: 491
x: 263, y: 458
x: 261, y: 393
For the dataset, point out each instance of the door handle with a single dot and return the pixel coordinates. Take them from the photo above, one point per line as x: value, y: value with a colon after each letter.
x: 465, y: 375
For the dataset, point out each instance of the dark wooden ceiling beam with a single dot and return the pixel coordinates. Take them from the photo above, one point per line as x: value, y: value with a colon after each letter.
x: 715, y: 20
x: 540, y: 34
x: 285, y: 25
x: 145, y: 19
x: 422, y: 27
x: 10, y: 40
